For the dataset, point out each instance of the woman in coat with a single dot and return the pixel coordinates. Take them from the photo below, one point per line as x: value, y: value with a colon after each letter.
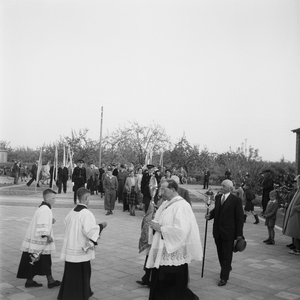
x: 291, y: 222
x: 131, y: 191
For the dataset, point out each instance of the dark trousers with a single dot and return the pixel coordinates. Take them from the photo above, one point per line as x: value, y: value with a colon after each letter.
x: 31, y: 180
x: 264, y: 204
x: 75, y: 188
x: 62, y: 185
x: 206, y: 182
x: 146, y: 201
x: 90, y: 185
x: 225, y: 253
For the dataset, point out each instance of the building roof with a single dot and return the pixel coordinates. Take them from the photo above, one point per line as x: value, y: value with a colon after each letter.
x: 296, y: 130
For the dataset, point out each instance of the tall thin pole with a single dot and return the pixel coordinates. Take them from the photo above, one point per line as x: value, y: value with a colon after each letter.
x: 100, y: 143
x: 209, y: 194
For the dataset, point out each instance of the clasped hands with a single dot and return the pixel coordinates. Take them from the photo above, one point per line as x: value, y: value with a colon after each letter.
x: 155, y: 226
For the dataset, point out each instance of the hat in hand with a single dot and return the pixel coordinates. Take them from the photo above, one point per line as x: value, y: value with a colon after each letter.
x: 239, y: 245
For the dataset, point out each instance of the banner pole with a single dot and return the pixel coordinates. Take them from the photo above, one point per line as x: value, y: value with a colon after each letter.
x: 100, y: 143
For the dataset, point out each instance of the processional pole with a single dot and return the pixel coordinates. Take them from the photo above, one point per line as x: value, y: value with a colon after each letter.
x: 210, y: 194
x: 100, y: 143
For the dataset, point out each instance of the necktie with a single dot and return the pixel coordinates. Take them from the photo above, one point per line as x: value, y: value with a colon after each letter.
x: 222, y: 199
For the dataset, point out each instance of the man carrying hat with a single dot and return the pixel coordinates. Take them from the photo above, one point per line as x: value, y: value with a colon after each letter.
x: 78, y: 178
x: 228, y: 225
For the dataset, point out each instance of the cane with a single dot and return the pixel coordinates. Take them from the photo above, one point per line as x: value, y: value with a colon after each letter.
x: 209, y: 193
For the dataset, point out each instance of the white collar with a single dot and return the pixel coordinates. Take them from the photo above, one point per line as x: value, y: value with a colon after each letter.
x: 226, y: 195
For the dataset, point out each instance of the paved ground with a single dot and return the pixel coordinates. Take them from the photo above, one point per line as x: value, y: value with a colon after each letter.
x: 260, y: 272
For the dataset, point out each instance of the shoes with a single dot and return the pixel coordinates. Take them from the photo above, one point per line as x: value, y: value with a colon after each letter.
x: 222, y: 282
x: 32, y: 284
x: 296, y: 252
x: 53, y: 284
x: 111, y: 212
x: 291, y: 246
x: 108, y: 213
x: 267, y: 240
x: 143, y: 282
x: 271, y: 242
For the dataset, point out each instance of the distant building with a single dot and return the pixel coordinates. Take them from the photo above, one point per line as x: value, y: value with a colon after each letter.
x: 297, y: 131
x: 3, y: 154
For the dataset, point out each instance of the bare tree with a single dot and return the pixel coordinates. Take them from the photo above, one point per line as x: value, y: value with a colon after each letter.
x: 131, y: 143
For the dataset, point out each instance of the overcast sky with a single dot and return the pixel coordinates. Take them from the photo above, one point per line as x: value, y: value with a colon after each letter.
x: 221, y: 72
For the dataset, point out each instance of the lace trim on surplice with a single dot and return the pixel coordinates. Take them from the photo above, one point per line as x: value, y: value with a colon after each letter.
x: 176, y: 258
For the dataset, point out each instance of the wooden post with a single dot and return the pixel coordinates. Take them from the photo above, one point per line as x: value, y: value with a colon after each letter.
x: 297, y: 131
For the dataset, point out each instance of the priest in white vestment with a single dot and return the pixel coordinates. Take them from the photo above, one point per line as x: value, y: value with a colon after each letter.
x: 175, y: 242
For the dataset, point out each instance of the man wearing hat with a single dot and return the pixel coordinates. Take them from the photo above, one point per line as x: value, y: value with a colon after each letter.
x: 78, y: 178
x: 145, y: 185
x: 228, y: 225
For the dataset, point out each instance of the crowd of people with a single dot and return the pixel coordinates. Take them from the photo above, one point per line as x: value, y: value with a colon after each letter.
x: 172, y: 232
x: 169, y: 231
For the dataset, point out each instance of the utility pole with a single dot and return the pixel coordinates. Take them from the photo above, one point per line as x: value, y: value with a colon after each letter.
x: 100, y: 143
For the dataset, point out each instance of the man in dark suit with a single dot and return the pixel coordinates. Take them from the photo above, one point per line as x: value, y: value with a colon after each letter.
x: 63, y: 176
x: 228, y: 225
x: 78, y: 178
x: 145, y: 185
x: 34, y: 170
x: 206, y: 179
x: 268, y: 186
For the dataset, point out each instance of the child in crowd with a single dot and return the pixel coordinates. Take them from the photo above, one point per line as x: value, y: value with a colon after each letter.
x: 270, y: 215
x: 249, y: 205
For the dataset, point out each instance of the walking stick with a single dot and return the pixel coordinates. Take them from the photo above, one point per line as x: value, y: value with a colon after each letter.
x: 209, y: 193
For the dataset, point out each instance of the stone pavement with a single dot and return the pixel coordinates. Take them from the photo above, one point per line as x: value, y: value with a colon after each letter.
x: 260, y: 272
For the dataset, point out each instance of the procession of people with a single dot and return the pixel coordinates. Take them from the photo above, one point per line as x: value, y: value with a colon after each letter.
x: 168, y: 228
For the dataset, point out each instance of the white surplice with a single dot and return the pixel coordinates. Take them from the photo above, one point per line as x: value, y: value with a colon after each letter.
x: 41, y: 224
x: 179, y: 241
x: 81, y: 227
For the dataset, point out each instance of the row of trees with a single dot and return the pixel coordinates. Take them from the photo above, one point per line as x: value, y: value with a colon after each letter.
x: 130, y: 144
